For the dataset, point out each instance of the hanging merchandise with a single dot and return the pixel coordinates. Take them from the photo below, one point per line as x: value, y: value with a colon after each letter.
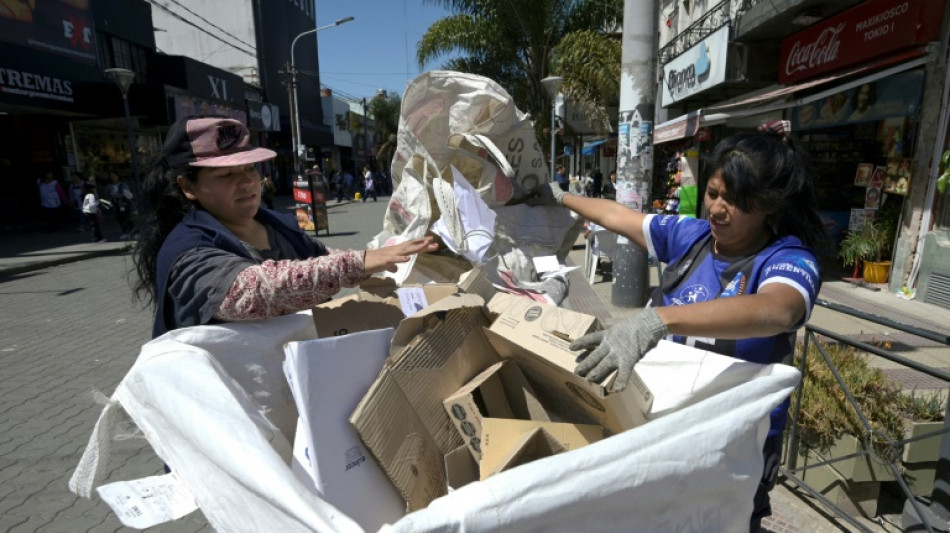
x: 689, y: 187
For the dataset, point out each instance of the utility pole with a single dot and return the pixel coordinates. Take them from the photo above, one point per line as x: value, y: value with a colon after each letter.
x: 291, y: 73
x: 634, y: 145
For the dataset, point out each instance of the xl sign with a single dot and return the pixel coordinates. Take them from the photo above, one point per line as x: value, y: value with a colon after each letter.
x: 699, y: 68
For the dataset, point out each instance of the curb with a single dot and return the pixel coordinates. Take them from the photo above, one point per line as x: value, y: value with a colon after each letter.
x: 10, y: 271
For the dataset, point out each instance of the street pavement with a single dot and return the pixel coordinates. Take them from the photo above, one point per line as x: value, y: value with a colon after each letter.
x: 70, y: 328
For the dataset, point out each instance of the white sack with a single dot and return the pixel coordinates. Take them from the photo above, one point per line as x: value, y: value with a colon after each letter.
x: 470, y: 122
x: 190, y: 392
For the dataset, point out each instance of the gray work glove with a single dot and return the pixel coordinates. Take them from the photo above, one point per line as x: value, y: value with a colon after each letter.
x: 619, y: 347
x: 546, y: 194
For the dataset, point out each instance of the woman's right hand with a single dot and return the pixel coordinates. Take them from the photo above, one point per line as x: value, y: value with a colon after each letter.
x: 387, y: 257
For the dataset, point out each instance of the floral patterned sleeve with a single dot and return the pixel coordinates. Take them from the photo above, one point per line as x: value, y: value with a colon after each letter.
x: 280, y: 287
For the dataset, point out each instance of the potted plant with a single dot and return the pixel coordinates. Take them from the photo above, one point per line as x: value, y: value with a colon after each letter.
x: 870, y: 245
x: 829, y: 428
x: 924, y: 415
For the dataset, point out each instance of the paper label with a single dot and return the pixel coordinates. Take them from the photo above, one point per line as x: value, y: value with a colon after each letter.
x: 546, y: 263
x: 146, y: 502
x: 412, y: 300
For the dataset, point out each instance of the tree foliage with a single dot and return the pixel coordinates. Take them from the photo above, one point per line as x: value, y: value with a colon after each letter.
x: 517, y: 43
x: 385, y: 111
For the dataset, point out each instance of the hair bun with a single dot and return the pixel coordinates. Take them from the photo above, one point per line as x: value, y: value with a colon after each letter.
x: 779, y: 128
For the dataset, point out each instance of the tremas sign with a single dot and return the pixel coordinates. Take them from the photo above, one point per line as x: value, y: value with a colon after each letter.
x: 699, y: 68
x: 865, y: 32
x: 32, y: 85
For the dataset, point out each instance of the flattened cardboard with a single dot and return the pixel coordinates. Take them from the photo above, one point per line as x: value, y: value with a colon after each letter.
x: 503, y: 440
x: 537, y: 336
x: 501, y: 391
x: 354, y: 313
x: 386, y: 288
x: 376, y: 306
x: 401, y: 419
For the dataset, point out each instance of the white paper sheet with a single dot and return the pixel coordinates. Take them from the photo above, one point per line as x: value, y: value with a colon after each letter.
x: 328, y: 377
x: 477, y: 220
x: 148, y: 501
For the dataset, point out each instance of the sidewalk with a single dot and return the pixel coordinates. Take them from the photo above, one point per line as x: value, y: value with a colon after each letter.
x: 31, y: 249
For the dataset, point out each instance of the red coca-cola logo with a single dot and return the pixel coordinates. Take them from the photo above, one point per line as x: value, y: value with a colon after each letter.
x: 822, y: 50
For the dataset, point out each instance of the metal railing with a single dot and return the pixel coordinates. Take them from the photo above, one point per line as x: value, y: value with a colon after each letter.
x: 794, y: 473
x: 712, y: 20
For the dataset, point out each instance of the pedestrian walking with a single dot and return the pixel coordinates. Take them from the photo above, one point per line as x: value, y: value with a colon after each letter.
x: 210, y: 253
x: 369, y: 187
x: 740, y: 283
x: 268, y: 191
x: 338, y: 185
x: 52, y: 200
x: 120, y: 195
x: 609, y: 190
x: 560, y: 177
x: 90, y: 208
x: 76, y: 196
x: 348, y: 183
x: 598, y: 183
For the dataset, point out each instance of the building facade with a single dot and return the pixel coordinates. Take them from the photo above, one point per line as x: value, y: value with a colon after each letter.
x: 61, y: 113
x: 863, y: 84
x: 252, y: 39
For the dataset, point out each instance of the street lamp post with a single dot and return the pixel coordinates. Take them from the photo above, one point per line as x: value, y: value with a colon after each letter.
x: 295, y: 114
x: 123, y: 78
x: 553, y: 85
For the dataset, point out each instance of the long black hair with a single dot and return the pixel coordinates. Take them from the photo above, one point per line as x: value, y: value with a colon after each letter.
x: 165, y: 206
x: 768, y: 172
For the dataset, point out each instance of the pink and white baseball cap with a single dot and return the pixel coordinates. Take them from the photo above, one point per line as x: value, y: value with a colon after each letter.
x: 211, y: 141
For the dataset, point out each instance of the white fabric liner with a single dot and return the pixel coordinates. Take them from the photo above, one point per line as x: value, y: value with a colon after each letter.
x: 212, y: 402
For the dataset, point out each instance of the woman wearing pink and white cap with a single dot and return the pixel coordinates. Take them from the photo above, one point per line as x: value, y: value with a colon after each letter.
x: 210, y: 253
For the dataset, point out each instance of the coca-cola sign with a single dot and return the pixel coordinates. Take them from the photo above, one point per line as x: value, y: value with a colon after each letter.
x: 804, y: 56
x: 865, y: 32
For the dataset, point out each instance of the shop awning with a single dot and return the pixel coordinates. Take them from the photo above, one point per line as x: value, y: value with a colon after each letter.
x: 592, y: 147
x: 687, y: 125
x: 903, y: 61
x: 679, y: 128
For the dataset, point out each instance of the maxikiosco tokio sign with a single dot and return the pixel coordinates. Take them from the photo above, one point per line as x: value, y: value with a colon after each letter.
x: 863, y: 33
x: 697, y: 69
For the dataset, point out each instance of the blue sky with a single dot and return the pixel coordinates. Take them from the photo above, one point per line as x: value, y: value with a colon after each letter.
x: 378, y: 49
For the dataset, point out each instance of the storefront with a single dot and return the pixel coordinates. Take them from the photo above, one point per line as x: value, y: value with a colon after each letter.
x: 862, y: 120
x: 854, y: 87
x: 39, y: 94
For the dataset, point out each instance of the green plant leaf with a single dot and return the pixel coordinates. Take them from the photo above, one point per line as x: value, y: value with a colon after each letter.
x: 942, y: 182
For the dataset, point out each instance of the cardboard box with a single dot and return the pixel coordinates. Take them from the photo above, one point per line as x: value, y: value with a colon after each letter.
x: 510, y: 443
x: 477, y: 281
x: 538, y: 336
x: 501, y: 391
x: 401, y: 420
x: 460, y: 468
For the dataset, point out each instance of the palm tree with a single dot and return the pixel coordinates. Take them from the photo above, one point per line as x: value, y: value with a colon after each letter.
x: 590, y: 66
x: 385, y: 110
x: 517, y: 43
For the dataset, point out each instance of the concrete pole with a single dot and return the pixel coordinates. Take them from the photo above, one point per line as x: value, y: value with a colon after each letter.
x: 634, y: 144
